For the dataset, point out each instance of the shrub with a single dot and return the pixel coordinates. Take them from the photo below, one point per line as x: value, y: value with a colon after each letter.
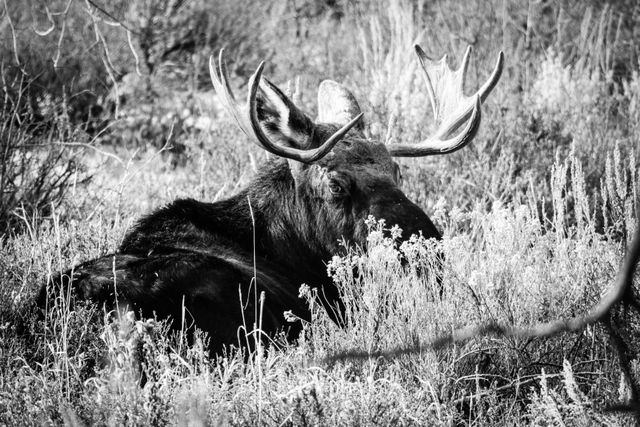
x: 36, y: 169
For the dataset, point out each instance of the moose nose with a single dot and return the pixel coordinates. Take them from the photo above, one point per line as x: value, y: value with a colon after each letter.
x: 398, y: 209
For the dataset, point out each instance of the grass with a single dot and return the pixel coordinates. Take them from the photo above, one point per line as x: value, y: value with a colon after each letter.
x: 536, y: 214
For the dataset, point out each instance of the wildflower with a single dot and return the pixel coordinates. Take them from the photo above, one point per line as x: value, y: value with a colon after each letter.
x: 304, y: 291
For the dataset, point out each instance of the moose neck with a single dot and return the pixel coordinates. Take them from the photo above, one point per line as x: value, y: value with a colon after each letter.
x: 267, y: 222
x: 280, y: 221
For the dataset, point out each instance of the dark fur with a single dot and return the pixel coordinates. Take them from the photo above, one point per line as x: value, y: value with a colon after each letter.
x: 201, y: 253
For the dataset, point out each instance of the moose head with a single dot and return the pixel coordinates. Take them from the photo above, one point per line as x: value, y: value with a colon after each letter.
x: 338, y: 176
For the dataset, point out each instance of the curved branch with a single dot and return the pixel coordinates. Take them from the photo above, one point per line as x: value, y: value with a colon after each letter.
x: 617, y: 293
x: 620, y: 292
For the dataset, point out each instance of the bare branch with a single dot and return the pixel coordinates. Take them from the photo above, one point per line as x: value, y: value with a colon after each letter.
x: 574, y: 324
x: 133, y: 51
x: 106, y: 58
x: 113, y: 18
x: 48, y: 30
x: 13, y: 34
x: 620, y: 292
x: 62, y: 30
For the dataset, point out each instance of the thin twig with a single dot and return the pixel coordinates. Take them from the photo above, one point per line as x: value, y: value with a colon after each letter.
x: 13, y: 35
x: 48, y: 30
x: 516, y: 383
x: 135, y: 54
x: 62, y: 30
x: 110, y: 16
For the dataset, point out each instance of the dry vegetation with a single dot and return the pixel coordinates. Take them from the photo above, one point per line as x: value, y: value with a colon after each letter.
x: 107, y: 112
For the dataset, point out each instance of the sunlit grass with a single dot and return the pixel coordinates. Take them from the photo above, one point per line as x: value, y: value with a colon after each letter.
x: 535, y: 215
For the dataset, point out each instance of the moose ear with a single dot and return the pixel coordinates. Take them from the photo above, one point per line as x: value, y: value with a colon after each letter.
x: 281, y: 120
x: 337, y: 105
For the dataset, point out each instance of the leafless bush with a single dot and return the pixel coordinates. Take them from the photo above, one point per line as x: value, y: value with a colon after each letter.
x: 36, y: 168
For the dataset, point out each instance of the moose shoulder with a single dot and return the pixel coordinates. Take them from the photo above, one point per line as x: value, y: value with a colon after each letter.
x: 208, y: 260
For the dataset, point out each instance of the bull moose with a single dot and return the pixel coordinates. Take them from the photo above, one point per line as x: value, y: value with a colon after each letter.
x: 195, y: 259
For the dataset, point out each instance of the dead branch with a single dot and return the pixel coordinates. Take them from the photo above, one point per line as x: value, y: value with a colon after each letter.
x: 52, y: 25
x: 113, y: 18
x: 621, y: 291
x: 13, y: 36
x: 574, y: 324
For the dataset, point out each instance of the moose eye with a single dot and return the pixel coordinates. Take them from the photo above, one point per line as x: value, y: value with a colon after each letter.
x: 335, y: 188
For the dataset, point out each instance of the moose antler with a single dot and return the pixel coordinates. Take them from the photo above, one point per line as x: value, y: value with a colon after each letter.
x: 248, y: 120
x: 451, y: 107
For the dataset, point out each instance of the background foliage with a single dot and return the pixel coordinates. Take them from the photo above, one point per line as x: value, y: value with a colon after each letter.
x: 107, y: 112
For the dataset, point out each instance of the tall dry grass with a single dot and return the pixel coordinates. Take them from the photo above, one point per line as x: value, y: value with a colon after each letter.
x: 535, y: 215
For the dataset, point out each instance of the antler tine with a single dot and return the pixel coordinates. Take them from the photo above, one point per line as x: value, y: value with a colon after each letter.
x: 249, y: 122
x: 220, y: 80
x: 461, y: 72
x: 435, y: 145
x: 488, y: 86
x: 224, y: 79
x: 450, y: 106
